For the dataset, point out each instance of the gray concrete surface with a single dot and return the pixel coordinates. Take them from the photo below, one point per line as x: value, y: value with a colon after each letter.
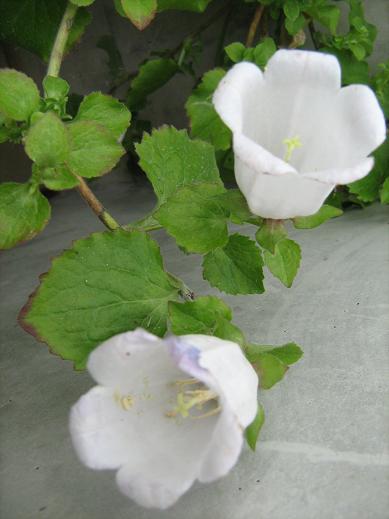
x: 324, y: 449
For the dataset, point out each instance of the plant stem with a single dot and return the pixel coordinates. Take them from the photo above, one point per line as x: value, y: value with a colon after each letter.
x: 58, y: 49
x: 96, y: 206
x: 254, y: 25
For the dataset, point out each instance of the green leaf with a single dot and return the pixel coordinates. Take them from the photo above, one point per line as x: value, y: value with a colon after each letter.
x: 24, y: 212
x: 93, y: 149
x: 236, y: 268
x: 236, y: 205
x: 205, y: 122
x: 33, y: 24
x: 105, y: 110
x: 327, y: 15
x: 55, y: 88
x: 324, y: 213
x: 152, y: 75
x: 47, y: 141
x: 294, y: 26
x: 287, y: 353
x: 291, y: 10
x: 264, y: 51
x: 195, y: 219
x: 56, y: 178
x: 106, y: 284
x: 172, y: 160
x: 367, y: 189
x: 384, y: 192
x: 253, y: 430
x: 285, y: 261
x: 115, y: 61
x: 270, y: 233
x: 235, y: 51
x: 19, y: 95
x: 82, y: 3
x: 197, y: 6
x: 206, y: 315
x: 380, y: 83
x: 140, y: 12
x: 269, y: 368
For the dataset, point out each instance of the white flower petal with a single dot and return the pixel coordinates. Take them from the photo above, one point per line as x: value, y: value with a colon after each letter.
x: 304, y: 69
x: 235, y: 378
x: 156, y: 484
x: 224, y: 448
x: 342, y: 175
x: 99, y: 430
x: 236, y: 93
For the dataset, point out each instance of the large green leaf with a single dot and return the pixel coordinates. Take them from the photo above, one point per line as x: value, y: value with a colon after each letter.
x: 33, y: 24
x: 19, y: 95
x: 235, y: 268
x: 152, y: 75
x: 105, y: 110
x: 47, y: 141
x: 172, y: 160
x: 140, y: 12
x: 204, y: 120
x: 206, y: 315
x: 108, y: 283
x: 93, y: 149
x: 24, y: 212
x: 196, y: 219
x: 285, y: 261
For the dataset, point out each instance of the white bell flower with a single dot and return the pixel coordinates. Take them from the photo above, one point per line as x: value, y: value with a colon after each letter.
x: 296, y: 132
x: 165, y: 412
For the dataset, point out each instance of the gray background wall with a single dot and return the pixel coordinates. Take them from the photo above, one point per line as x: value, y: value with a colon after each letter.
x: 86, y: 70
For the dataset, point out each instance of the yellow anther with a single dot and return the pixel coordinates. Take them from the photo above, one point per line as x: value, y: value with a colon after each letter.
x: 291, y: 144
x: 187, y: 400
x: 125, y: 402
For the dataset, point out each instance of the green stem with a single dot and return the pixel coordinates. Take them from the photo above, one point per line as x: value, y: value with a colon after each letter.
x: 96, y: 206
x: 59, y: 46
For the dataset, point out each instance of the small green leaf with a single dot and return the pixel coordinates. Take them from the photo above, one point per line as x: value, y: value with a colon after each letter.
x: 57, y: 178
x: 106, y: 284
x: 19, y: 95
x: 270, y: 369
x: 152, y: 75
x: 55, y: 88
x: 264, y: 51
x: 287, y: 353
x: 105, y: 110
x: 197, y: 6
x: 206, y: 315
x: 93, y: 149
x: 236, y: 268
x: 253, y: 430
x: 205, y: 122
x: 285, y: 261
x: 327, y: 15
x: 140, y: 12
x: 82, y: 3
x: 24, y: 212
x: 353, y: 71
x: 235, y: 51
x: 384, y: 192
x: 291, y: 10
x: 270, y: 233
x: 235, y: 203
x: 172, y: 160
x: 324, y: 213
x: 294, y: 26
x: 47, y: 141
x: 195, y: 219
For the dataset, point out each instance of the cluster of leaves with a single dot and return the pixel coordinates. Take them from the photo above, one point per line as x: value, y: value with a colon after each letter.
x: 62, y: 149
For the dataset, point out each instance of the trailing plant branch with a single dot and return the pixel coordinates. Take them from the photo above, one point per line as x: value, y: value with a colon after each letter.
x: 59, y: 46
x: 96, y: 206
x: 254, y: 25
